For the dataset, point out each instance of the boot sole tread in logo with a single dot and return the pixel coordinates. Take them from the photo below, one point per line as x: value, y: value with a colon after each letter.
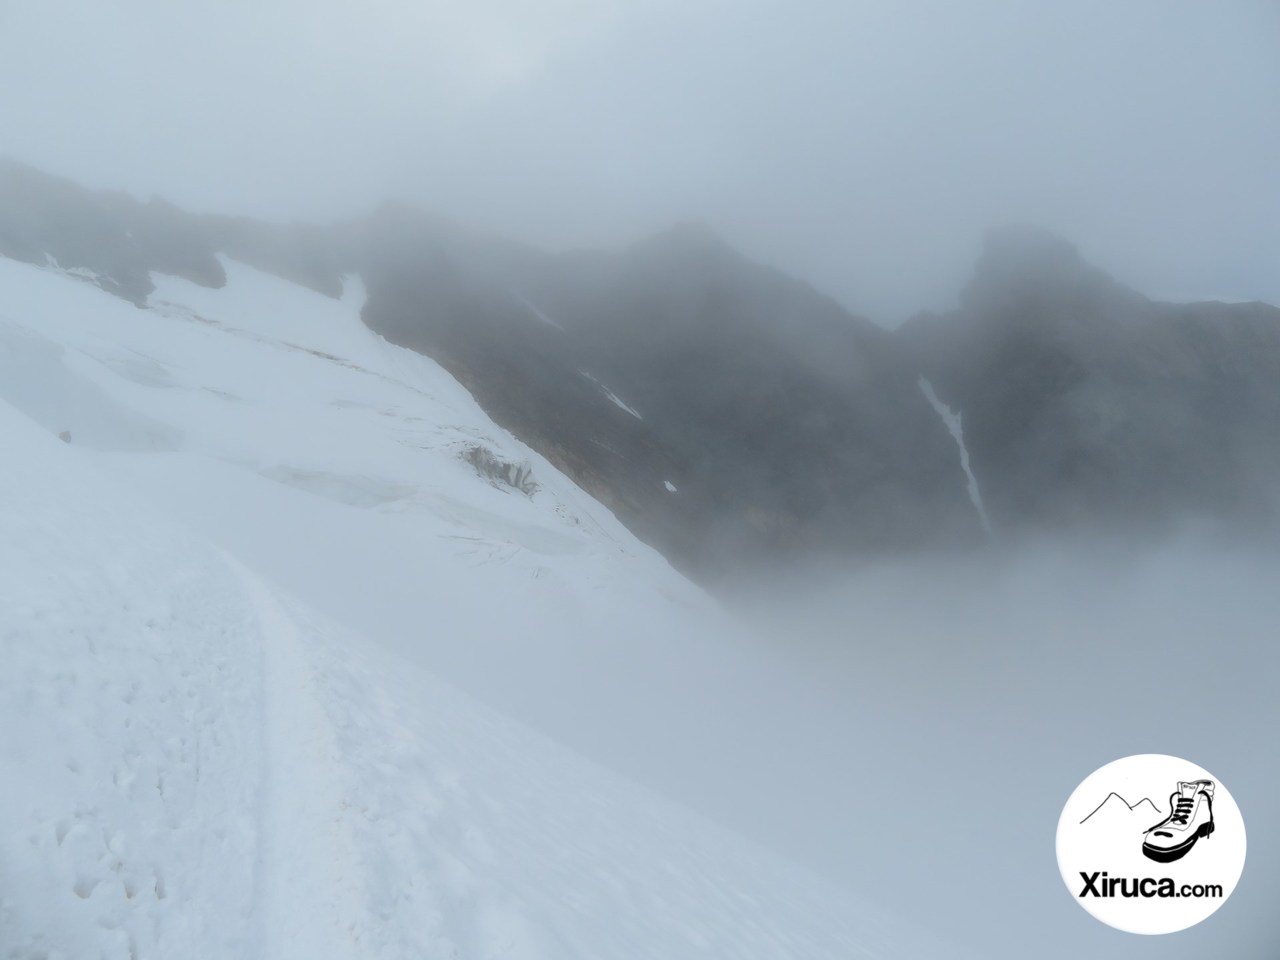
x: 1170, y: 854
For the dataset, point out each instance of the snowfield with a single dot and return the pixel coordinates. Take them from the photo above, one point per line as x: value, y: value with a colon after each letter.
x: 213, y: 740
x: 131, y: 757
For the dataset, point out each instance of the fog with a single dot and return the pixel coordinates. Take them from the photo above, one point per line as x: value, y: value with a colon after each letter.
x: 863, y: 146
x: 957, y: 704
x: 913, y: 730
x: 909, y: 729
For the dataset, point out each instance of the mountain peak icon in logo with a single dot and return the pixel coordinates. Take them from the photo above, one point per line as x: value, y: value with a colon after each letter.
x: 1120, y: 804
x: 1192, y: 818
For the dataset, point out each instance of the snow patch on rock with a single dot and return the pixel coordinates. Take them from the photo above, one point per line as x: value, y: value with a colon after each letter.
x: 955, y: 427
x: 613, y: 397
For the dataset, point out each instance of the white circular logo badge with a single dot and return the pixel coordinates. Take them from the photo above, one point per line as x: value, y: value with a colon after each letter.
x: 1151, y: 844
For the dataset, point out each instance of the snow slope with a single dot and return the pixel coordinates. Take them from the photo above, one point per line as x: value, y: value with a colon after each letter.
x: 329, y: 460
x: 130, y: 704
x: 208, y: 766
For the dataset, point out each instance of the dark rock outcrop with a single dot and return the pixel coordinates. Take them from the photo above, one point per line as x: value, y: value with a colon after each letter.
x: 723, y: 411
x: 784, y: 424
x: 730, y: 415
x: 1087, y: 406
x: 503, y: 474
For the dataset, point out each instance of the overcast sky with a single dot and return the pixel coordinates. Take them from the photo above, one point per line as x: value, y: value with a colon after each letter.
x: 862, y: 145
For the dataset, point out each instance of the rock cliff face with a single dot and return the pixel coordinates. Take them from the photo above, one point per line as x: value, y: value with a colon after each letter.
x: 1087, y: 406
x: 725, y: 412
x: 733, y: 416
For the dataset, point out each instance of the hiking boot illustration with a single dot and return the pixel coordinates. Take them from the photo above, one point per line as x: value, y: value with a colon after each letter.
x: 1192, y: 818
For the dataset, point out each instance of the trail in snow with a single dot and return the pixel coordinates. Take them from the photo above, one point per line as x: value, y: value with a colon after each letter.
x: 308, y: 881
x: 423, y: 824
x: 210, y: 769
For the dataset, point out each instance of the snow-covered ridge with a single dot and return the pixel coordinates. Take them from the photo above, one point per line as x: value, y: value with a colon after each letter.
x: 216, y: 598
x: 267, y: 376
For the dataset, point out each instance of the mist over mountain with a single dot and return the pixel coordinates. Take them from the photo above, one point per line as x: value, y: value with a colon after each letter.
x: 736, y: 418
x: 615, y: 479
x: 1088, y: 407
x: 430, y: 435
